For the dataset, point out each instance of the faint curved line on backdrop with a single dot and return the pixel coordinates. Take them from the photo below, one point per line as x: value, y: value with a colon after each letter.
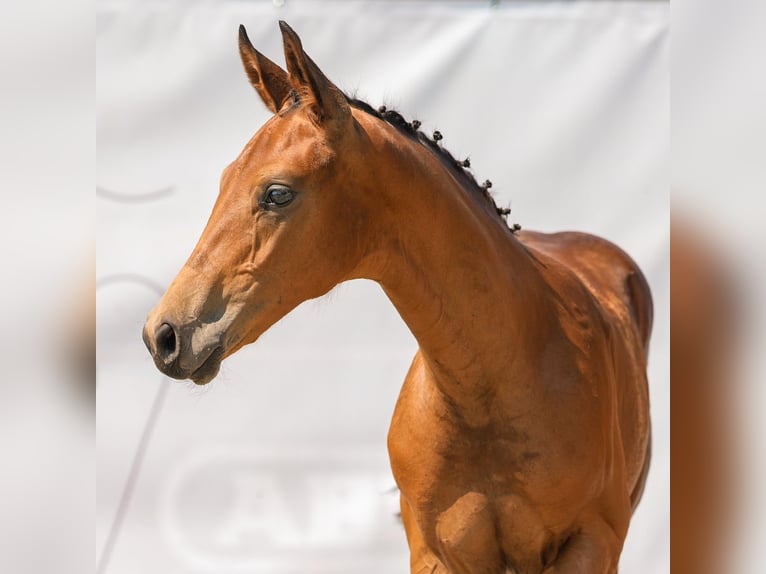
x: 134, y: 197
x: 135, y: 278
x: 146, y: 434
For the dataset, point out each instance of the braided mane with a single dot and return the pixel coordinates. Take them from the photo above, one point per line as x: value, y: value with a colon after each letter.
x: 458, y: 167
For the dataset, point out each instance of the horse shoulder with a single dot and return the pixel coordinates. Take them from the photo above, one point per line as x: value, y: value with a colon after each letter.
x: 623, y: 298
x: 610, y: 275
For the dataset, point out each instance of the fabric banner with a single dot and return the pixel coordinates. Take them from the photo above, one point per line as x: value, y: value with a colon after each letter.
x: 280, y: 465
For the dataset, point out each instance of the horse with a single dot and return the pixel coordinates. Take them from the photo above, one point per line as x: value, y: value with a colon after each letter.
x: 520, y: 441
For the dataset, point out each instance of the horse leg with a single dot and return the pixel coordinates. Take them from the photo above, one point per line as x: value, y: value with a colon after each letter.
x: 593, y: 550
x: 468, y: 538
x: 422, y: 559
x: 638, y: 490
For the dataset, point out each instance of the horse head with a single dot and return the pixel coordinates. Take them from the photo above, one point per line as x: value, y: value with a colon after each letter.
x: 284, y: 228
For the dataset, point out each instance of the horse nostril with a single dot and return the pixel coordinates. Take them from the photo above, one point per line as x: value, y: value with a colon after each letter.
x: 167, y: 344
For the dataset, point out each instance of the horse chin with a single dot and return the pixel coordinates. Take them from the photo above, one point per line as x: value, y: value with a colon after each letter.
x: 208, y: 370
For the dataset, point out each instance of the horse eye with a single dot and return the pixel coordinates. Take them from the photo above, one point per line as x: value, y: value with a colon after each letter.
x: 278, y: 196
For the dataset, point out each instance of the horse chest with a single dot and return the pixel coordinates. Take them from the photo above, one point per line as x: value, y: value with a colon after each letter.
x: 466, y: 497
x: 492, y: 533
x: 436, y: 459
x: 475, y: 493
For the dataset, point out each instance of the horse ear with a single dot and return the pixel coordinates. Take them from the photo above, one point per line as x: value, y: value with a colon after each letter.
x: 306, y: 77
x: 268, y: 79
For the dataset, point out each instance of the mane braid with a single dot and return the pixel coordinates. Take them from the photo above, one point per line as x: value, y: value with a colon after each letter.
x: 457, y: 167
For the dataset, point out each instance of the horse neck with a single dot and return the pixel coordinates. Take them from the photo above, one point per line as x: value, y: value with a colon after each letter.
x: 469, y: 291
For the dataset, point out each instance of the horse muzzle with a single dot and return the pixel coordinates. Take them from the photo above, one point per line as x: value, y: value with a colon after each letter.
x: 179, y: 354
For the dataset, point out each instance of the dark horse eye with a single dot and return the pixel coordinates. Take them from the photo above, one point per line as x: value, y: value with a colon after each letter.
x: 278, y: 196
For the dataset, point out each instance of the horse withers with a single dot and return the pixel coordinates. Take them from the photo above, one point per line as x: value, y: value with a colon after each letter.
x: 520, y: 439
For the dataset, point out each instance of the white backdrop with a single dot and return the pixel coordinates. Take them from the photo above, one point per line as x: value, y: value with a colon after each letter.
x: 280, y: 465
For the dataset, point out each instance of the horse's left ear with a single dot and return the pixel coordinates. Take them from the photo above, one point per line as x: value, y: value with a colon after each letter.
x: 329, y: 103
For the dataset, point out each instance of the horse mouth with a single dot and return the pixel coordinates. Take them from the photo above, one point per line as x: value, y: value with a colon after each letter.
x: 207, y: 371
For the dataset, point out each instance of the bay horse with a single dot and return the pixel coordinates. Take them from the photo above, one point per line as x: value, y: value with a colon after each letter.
x: 520, y: 440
